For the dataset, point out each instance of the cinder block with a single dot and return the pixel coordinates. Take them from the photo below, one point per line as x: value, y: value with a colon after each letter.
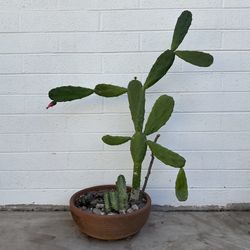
x: 98, y: 42
x: 12, y: 105
x: 67, y: 63
x: 28, y: 5
x: 96, y: 4
x: 236, y: 4
x: 11, y: 64
x: 11, y: 143
x: 59, y: 21
x: 9, y: 22
x: 63, y: 142
x: 180, y: 4
x: 29, y: 43
x: 32, y: 124
x: 31, y: 161
x: 166, y: 19
x: 236, y: 40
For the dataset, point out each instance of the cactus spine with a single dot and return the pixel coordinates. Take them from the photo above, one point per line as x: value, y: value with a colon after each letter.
x: 117, y: 200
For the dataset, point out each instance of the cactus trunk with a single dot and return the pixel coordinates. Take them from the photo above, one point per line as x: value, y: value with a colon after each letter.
x: 136, y: 183
x: 136, y: 176
x: 138, y: 146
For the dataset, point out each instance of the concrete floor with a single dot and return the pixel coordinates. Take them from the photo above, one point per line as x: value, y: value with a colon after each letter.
x: 164, y: 230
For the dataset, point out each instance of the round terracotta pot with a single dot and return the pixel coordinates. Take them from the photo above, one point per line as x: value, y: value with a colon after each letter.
x: 108, y: 227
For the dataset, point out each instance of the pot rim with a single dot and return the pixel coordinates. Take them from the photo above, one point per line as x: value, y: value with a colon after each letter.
x: 100, y: 187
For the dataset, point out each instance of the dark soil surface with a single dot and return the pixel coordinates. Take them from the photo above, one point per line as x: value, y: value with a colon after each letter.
x: 93, y: 202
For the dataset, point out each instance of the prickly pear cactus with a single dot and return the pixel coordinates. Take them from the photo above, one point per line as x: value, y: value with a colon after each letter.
x: 158, y: 116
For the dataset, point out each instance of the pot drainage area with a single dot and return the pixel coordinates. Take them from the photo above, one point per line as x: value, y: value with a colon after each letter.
x: 55, y: 230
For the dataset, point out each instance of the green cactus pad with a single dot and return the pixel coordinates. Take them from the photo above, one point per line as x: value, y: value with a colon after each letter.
x: 181, y: 28
x: 159, y: 114
x: 196, y: 58
x: 69, y: 93
x: 160, y: 68
x: 108, y: 90
x: 138, y: 147
x: 136, y: 98
x: 181, y: 186
x: 115, y: 140
x: 165, y: 155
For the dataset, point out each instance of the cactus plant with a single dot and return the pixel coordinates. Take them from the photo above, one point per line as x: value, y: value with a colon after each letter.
x: 107, y: 206
x: 113, y: 198
x: 117, y: 200
x: 122, y: 192
x: 159, y: 115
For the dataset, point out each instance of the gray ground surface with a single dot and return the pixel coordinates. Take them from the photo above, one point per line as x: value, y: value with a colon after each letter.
x: 164, y: 230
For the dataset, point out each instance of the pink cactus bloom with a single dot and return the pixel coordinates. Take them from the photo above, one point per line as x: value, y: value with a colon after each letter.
x: 51, y: 104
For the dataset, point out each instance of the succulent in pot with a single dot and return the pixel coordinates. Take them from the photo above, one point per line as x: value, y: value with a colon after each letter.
x: 118, y: 198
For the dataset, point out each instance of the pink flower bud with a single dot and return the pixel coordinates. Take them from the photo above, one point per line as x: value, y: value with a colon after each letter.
x: 52, y: 104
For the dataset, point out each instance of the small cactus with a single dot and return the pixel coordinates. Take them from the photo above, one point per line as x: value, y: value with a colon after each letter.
x: 122, y: 192
x: 113, y: 197
x: 106, y: 203
x: 117, y: 200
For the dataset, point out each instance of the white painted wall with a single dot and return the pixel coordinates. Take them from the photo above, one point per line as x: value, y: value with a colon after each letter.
x: 45, y: 155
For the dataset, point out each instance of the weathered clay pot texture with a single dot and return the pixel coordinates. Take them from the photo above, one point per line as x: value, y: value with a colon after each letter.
x: 108, y: 227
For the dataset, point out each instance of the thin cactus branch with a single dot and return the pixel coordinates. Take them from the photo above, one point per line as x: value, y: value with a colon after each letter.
x: 149, y: 167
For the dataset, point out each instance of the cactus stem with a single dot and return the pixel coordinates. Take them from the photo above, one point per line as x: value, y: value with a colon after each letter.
x: 135, y: 194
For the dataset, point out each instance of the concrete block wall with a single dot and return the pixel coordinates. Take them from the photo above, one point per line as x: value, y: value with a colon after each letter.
x: 46, y: 155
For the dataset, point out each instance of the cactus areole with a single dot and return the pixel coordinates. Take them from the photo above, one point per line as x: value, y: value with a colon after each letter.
x: 159, y: 115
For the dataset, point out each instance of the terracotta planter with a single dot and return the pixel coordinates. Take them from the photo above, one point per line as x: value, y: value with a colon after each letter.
x: 108, y: 227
